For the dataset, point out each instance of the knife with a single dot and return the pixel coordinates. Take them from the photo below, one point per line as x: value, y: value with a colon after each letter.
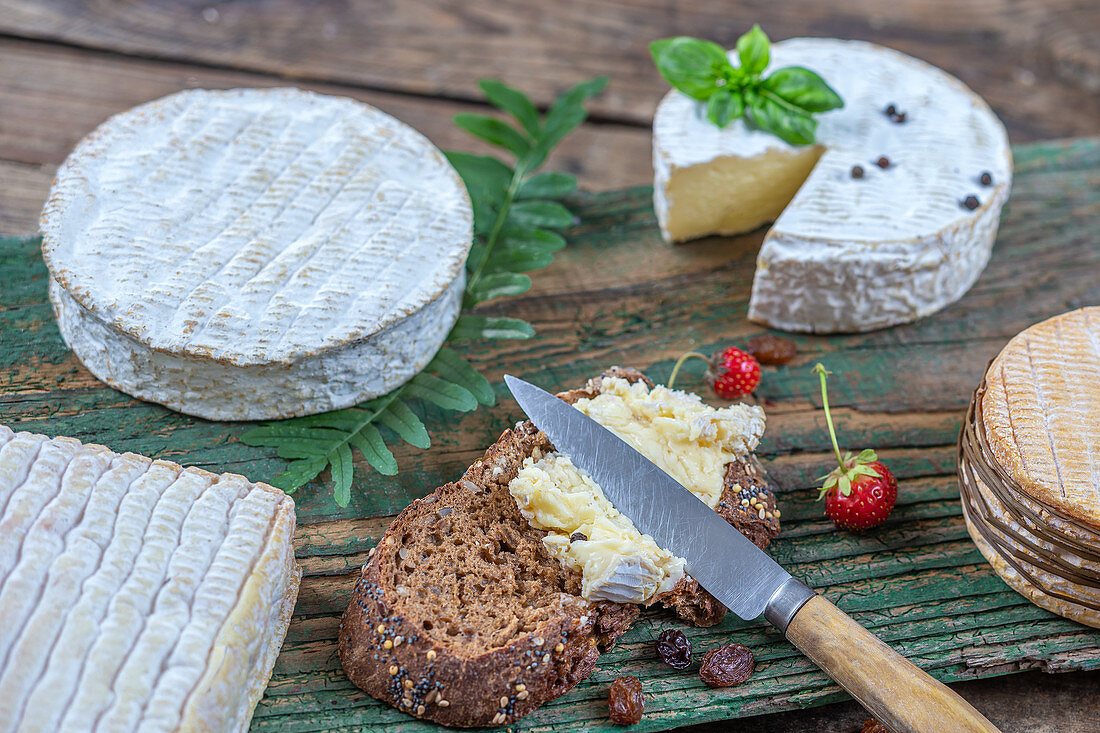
x: 745, y: 579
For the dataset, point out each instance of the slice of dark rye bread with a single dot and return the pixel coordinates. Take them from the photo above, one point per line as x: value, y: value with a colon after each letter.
x: 462, y: 616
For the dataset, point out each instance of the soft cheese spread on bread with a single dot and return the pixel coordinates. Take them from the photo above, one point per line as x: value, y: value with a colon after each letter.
x: 688, y: 439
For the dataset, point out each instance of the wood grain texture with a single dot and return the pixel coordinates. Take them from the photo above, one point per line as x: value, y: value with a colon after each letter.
x: 1031, y: 59
x: 50, y: 97
x: 1035, y: 61
x: 894, y: 690
x: 617, y: 294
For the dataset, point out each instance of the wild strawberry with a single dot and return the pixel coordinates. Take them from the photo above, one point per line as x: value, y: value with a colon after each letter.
x: 859, y: 493
x: 731, y: 371
x: 734, y: 372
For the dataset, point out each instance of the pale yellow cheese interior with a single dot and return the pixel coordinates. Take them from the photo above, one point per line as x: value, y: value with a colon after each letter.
x: 688, y: 439
x: 730, y: 195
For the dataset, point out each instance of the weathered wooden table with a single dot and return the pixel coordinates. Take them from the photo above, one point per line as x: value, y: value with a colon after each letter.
x: 616, y: 295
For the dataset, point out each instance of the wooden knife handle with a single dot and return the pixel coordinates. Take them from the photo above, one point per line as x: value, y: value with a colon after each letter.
x: 897, y: 692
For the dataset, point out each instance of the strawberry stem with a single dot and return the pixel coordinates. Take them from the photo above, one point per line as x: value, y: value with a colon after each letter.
x: 680, y: 363
x: 820, y: 370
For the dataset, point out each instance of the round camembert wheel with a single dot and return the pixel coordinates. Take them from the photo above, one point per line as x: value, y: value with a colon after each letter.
x: 251, y: 254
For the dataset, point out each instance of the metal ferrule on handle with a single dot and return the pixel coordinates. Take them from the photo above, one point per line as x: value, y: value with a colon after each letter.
x: 785, y: 603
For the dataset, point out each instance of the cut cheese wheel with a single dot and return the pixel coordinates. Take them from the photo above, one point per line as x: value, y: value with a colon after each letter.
x: 250, y: 254
x: 136, y: 594
x: 846, y: 253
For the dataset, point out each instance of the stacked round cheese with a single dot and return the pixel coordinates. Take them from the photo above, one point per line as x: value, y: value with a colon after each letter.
x: 252, y: 254
x: 1029, y: 465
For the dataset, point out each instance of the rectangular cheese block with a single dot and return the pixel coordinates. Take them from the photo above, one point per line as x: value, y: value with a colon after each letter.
x: 136, y: 594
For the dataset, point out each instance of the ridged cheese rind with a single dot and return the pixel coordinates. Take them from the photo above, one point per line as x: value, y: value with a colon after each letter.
x: 855, y: 254
x: 141, y: 595
x: 1047, y: 581
x: 1041, y: 412
x: 248, y: 254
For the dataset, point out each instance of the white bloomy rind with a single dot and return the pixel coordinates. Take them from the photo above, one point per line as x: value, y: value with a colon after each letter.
x: 250, y: 254
x: 136, y: 594
x: 852, y: 254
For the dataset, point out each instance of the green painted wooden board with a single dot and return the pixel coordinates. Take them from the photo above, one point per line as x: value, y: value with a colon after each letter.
x: 617, y: 294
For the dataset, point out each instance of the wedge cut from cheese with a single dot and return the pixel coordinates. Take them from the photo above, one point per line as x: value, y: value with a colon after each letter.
x: 847, y: 252
x: 136, y: 594
x: 250, y: 254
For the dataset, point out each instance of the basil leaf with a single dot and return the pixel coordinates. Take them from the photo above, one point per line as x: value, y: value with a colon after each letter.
x: 690, y: 65
x: 787, y: 123
x: 754, y: 51
x: 802, y: 88
x: 724, y: 106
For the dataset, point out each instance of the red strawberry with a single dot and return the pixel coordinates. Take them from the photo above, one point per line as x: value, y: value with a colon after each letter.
x: 731, y: 371
x: 859, y: 493
x: 734, y: 372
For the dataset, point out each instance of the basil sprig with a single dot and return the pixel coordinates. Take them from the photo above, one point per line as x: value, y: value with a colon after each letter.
x: 782, y: 103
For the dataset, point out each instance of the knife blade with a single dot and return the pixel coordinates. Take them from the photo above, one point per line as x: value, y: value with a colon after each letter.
x: 732, y: 569
x: 745, y: 579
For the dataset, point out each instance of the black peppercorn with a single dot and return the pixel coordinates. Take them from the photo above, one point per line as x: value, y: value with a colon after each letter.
x: 986, y: 178
x: 883, y: 162
x: 891, y: 110
x: 857, y: 171
x: 971, y: 202
x: 900, y: 118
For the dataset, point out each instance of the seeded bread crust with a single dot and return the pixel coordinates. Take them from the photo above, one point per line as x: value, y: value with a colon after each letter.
x: 462, y: 616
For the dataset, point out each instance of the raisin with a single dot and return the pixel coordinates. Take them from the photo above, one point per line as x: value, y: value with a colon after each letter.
x: 770, y: 349
x: 873, y: 726
x: 674, y: 649
x: 727, y: 666
x: 624, y: 701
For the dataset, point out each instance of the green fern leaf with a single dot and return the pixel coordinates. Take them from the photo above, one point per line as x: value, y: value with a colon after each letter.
x: 496, y: 285
x: 469, y: 328
x: 486, y: 178
x: 494, y: 131
x: 289, y: 433
x: 514, y: 102
x: 440, y: 392
x: 519, y: 260
x: 400, y: 419
x: 540, y: 214
x: 342, y: 473
x: 299, y: 473
x: 447, y: 361
x: 370, y: 444
x: 551, y: 185
x: 530, y: 238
